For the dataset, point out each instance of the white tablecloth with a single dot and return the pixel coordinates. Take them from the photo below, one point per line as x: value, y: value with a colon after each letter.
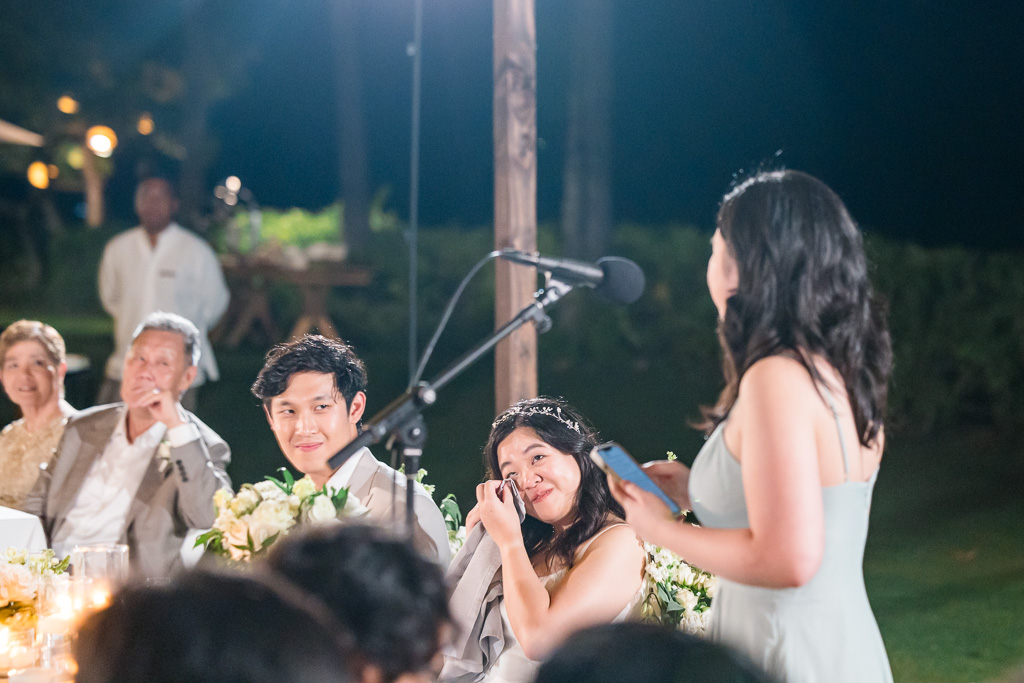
x: 20, y: 530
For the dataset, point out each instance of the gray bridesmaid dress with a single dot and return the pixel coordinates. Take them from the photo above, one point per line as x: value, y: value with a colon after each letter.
x: 823, y: 631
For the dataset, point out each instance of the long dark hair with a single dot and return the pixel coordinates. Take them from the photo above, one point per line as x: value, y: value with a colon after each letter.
x: 803, y: 291
x: 554, y: 420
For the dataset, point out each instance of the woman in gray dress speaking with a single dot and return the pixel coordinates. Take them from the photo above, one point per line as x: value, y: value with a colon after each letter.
x: 783, y: 485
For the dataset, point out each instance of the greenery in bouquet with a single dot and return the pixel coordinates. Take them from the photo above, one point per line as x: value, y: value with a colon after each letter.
x: 453, y: 521
x: 22, y: 578
x: 250, y: 521
x: 449, y: 510
x: 676, y: 594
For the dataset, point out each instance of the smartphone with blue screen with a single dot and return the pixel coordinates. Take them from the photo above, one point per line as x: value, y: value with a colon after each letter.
x: 615, y: 461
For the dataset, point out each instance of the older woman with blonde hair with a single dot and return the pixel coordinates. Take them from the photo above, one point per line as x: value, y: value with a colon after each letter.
x: 32, y: 369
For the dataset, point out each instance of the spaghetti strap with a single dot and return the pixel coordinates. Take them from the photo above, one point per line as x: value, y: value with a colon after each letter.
x: 583, y: 548
x: 839, y: 428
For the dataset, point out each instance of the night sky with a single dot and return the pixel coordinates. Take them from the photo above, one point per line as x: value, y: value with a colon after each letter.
x: 911, y: 110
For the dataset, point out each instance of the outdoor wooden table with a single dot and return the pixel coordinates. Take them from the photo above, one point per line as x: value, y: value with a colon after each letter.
x: 250, y: 282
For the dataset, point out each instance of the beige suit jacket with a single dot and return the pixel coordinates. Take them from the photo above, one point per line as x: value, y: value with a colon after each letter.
x: 371, y: 483
x: 167, y: 504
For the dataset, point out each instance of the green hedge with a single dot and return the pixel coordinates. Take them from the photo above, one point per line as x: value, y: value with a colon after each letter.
x: 955, y: 316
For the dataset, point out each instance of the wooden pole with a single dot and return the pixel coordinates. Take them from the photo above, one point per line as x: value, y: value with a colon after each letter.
x: 95, y: 213
x: 515, y: 192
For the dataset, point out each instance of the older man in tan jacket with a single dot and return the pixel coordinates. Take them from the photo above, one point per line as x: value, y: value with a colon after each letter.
x: 141, y: 472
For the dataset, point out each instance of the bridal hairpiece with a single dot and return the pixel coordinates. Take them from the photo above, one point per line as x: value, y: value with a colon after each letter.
x: 551, y: 411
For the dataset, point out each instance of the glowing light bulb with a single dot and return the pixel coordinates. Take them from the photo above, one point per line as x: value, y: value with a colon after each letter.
x: 101, y: 140
x: 38, y: 175
x: 67, y: 104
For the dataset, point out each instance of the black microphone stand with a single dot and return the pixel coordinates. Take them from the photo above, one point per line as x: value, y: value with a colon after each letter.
x: 401, y: 421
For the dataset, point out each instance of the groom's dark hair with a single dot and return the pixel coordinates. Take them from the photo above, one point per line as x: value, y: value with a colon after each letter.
x: 311, y: 353
x: 392, y: 599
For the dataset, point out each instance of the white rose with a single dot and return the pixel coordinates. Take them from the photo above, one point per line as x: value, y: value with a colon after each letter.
x: 269, y: 519
x: 17, y: 584
x: 268, y: 490
x: 246, y: 501
x: 354, y: 507
x: 456, y: 539
x: 322, y: 510
x: 685, y: 574
x: 711, y: 586
x: 655, y: 572
x: 693, y: 623
x: 687, y: 599
x: 222, y: 498
x: 304, y: 488
x: 665, y: 557
x: 235, y: 532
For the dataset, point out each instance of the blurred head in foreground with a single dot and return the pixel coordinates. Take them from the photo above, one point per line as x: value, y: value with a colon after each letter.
x: 392, y: 600
x: 631, y: 652
x: 216, y: 628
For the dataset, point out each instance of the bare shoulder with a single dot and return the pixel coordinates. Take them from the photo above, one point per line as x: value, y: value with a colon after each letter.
x: 777, y: 378
x: 618, y: 538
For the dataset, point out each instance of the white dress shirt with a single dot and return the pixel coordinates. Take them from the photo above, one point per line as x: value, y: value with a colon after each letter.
x: 180, y: 275
x: 101, y: 507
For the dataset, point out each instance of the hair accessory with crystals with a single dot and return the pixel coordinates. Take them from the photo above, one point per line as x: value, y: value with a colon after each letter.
x: 528, y: 409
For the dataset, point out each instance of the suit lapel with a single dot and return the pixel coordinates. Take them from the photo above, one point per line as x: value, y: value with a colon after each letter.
x: 361, y: 483
x: 94, y: 435
x: 151, y: 481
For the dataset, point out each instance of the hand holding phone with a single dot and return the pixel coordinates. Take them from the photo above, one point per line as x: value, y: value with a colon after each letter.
x: 615, y: 461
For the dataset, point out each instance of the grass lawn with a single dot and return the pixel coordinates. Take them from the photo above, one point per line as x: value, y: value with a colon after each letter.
x: 944, y: 564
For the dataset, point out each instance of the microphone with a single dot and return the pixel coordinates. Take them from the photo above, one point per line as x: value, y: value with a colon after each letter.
x: 615, y: 278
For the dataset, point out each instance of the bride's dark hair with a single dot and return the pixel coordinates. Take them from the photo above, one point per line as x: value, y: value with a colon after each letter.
x: 803, y: 291
x: 554, y: 420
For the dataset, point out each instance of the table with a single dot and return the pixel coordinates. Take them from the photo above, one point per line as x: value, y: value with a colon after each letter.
x: 250, y: 283
x: 21, y: 530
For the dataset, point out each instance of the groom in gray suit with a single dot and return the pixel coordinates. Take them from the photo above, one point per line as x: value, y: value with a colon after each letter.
x: 141, y: 472
x: 314, y: 393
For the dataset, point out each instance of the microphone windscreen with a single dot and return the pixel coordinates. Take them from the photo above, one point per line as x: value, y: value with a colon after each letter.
x: 623, y: 280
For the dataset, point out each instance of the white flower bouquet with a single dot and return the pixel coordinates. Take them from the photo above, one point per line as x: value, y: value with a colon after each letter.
x: 676, y: 594
x: 22, y: 579
x: 250, y: 521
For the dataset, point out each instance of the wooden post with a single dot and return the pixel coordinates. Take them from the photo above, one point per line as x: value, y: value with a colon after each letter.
x: 95, y: 213
x: 515, y: 192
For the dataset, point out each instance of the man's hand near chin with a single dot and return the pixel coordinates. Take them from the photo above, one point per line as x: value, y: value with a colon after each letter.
x: 162, y: 405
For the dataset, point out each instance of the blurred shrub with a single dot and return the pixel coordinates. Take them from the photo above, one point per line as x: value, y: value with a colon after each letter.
x: 955, y: 315
x: 958, y: 333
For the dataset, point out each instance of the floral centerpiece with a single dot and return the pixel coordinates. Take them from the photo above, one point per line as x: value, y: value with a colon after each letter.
x: 23, y: 577
x: 250, y: 521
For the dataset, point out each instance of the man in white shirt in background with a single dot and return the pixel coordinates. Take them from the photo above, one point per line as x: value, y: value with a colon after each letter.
x: 142, y: 472
x: 314, y: 393
x: 159, y: 266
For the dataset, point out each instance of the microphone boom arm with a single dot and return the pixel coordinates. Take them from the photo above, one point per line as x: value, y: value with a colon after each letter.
x: 408, y: 406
